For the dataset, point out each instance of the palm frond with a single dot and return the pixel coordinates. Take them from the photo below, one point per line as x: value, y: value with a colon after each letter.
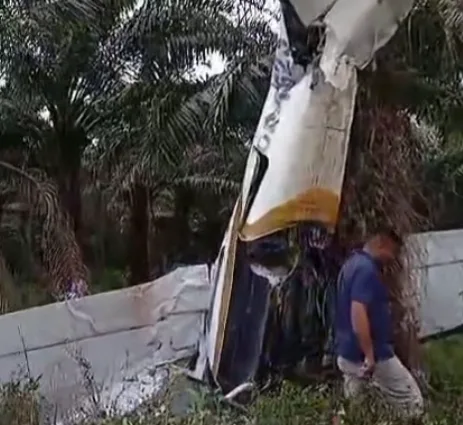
x: 165, y: 48
x: 452, y: 12
x: 215, y: 185
x: 243, y: 83
x: 61, y: 65
x: 92, y: 12
x: 60, y: 252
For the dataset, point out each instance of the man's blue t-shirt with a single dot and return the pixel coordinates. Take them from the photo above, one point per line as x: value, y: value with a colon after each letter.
x: 359, y: 281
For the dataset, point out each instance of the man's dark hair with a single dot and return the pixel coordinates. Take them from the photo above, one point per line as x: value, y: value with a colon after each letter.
x: 390, y: 233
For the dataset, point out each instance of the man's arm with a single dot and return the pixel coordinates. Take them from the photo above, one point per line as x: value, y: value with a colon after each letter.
x: 361, y: 326
x: 362, y: 296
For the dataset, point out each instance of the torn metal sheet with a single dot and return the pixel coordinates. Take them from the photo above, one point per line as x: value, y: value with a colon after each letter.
x: 106, y: 341
x: 289, y: 204
x: 301, y: 146
x: 354, y: 34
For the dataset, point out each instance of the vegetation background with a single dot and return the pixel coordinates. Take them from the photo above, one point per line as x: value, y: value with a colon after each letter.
x: 119, y: 160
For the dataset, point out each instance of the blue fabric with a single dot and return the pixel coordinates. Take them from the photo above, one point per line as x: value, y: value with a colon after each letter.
x: 359, y: 281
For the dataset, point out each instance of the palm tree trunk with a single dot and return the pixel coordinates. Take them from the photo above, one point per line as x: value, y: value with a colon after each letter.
x: 71, y: 271
x: 74, y: 203
x: 181, y: 232
x: 381, y: 187
x: 139, y: 228
x: 70, y: 188
x: 212, y: 235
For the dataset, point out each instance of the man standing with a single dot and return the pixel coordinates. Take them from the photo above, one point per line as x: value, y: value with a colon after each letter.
x: 364, y: 327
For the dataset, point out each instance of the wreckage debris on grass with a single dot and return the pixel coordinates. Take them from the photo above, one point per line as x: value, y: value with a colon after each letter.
x: 184, y: 404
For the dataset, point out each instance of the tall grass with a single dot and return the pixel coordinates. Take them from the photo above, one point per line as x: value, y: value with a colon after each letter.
x: 290, y: 405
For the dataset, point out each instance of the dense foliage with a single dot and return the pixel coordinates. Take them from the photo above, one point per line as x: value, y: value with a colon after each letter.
x: 119, y: 160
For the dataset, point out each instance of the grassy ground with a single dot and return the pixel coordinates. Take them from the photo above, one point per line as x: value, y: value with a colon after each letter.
x: 292, y: 405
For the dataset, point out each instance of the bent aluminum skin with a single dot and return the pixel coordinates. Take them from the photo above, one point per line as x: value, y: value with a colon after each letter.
x: 294, y: 174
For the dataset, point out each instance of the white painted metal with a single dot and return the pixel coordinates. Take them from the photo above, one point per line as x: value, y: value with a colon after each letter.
x: 120, y: 334
x: 441, y: 281
x: 310, y: 11
x: 307, y: 143
x: 356, y: 31
x: 308, y: 150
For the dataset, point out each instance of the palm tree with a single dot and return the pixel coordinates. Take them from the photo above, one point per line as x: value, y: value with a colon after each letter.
x: 172, y: 136
x: 416, y: 77
x: 36, y: 239
x: 60, y: 73
x: 37, y: 243
x: 70, y: 67
x: 443, y: 172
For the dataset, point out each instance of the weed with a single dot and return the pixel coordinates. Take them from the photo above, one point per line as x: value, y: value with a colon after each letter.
x: 291, y: 405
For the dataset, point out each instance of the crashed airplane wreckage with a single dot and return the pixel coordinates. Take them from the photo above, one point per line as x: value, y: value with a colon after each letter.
x: 274, y: 257
x: 124, y: 339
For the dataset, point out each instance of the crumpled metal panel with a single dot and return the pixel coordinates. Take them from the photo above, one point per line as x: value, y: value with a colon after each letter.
x: 295, y: 171
x: 356, y: 31
x: 310, y: 11
x: 305, y: 124
x: 303, y: 135
x: 120, y: 335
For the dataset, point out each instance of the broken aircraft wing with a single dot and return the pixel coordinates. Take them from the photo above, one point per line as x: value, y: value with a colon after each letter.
x: 294, y: 174
x: 112, y: 337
